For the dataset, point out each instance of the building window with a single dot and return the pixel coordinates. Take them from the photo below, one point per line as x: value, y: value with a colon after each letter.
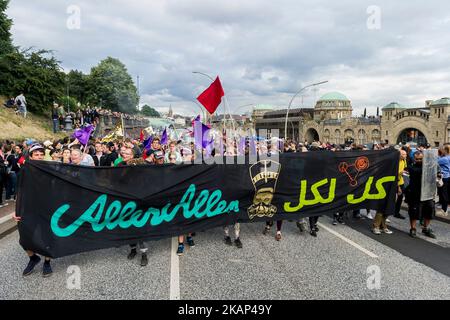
x: 437, y: 133
x: 387, y: 133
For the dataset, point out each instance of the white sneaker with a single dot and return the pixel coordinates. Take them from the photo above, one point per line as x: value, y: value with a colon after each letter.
x: 3, y: 205
x: 441, y: 213
x: 388, y: 221
x: 387, y: 231
x: 370, y: 216
x: 376, y: 231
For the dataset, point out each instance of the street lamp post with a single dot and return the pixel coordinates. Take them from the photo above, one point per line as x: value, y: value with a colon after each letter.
x: 68, y: 121
x: 292, y: 100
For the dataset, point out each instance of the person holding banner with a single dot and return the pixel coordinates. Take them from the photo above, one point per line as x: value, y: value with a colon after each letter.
x: 237, y: 240
x: 401, y: 184
x: 127, y: 156
x: 77, y: 157
x: 36, y: 153
x: 418, y: 209
x: 173, y: 151
x: 269, y: 225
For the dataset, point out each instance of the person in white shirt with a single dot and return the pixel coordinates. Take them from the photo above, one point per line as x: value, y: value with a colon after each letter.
x: 21, y: 103
x: 82, y: 159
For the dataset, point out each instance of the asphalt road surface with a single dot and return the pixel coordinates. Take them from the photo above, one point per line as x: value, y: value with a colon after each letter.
x: 343, y: 262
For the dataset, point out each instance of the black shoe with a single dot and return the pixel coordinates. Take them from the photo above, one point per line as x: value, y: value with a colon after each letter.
x: 238, y: 243
x: 412, y: 233
x: 180, y: 250
x: 132, y: 254
x: 341, y: 220
x: 334, y: 222
x: 144, y: 260
x: 316, y: 228
x: 47, y: 269
x: 266, y: 230
x: 34, y: 260
x: 190, y: 242
x: 313, y: 233
x: 228, y: 241
x: 429, y: 233
x: 399, y: 216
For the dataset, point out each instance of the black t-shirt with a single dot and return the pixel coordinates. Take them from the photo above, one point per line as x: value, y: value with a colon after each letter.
x: 108, y: 159
x: 415, y: 183
x: 97, y: 161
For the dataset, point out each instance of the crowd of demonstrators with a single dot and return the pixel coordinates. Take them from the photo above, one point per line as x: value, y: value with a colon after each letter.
x: 132, y: 152
x: 116, y: 114
x: 79, y: 117
x: 83, y: 117
x: 19, y: 104
x: 11, y: 158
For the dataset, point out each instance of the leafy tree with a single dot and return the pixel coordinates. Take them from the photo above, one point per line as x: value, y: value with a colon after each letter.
x: 77, y: 85
x: 69, y: 103
x: 149, y: 112
x: 111, y: 86
x: 35, y: 73
x: 6, y: 45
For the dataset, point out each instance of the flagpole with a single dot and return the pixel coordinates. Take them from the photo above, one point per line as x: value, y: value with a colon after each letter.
x: 225, y: 98
x: 123, y: 126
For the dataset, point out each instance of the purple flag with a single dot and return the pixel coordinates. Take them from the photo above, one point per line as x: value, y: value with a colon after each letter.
x: 164, y: 139
x: 209, y: 148
x: 148, y: 143
x: 83, y: 134
x: 201, y: 135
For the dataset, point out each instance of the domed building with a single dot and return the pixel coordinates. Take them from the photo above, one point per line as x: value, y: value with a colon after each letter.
x: 429, y: 124
x: 331, y: 121
x: 333, y: 105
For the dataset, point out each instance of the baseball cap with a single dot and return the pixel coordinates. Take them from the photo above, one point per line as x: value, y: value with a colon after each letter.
x: 36, y: 147
x: 159, y: 154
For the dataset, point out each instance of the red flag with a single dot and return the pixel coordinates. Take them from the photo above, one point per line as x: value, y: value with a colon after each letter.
x: 141, y: 137
x: 211, y: 97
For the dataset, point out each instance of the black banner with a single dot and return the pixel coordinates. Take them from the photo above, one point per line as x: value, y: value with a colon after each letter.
x: 68, y: 209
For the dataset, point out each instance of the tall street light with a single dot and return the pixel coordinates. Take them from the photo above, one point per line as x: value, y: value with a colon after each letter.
x: 292, y: 100
x: 68, y: 121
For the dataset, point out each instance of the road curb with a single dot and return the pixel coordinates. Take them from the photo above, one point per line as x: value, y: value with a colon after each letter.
x: 441, y: 219
x: 7, y: 227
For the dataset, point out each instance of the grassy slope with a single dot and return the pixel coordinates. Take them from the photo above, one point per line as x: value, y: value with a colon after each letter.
x: 14, y: 127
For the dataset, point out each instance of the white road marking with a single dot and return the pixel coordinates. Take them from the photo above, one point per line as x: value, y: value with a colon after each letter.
x: 354, y: 244
x: 6, y: 218
x: 174, y: 271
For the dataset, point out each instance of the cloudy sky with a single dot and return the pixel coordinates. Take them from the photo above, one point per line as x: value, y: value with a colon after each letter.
x: 264, y: 51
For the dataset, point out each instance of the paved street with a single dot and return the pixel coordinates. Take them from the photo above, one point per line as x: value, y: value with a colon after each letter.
x: 332, y: 266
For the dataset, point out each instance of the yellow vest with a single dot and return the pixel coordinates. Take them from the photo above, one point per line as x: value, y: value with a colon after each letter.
x: 401, y: 168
